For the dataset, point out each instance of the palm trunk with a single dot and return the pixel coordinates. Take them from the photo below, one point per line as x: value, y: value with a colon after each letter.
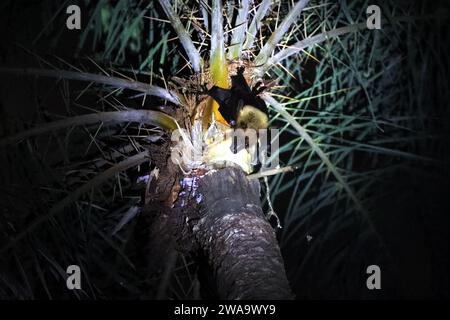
x: 237, y: 243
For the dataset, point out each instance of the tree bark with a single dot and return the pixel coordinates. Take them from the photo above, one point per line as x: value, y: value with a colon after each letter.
x: 216, y: 218
x: 237, y: 243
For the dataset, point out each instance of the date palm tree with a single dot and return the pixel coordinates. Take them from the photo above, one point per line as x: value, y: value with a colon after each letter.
x: 105, y: 192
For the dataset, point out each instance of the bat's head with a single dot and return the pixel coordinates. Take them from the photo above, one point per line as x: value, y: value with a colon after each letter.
x: 251, y: 117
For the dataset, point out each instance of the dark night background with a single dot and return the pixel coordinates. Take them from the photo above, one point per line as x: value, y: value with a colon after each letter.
x: 411, y: 212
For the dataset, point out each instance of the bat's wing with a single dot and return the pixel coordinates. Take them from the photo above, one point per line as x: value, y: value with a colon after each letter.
x: 238, y: 82
x: 226, y: 101
x: 222, y: 96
